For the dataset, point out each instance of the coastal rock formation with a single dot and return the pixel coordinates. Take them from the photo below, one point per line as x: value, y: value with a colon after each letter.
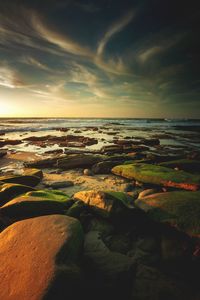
x: 106, y: 203
x: 180, y: 209
x: 36, y: 203
x: 30, y: 180
x: 9, y: 191
x: 77, y: 161
x: 158, y: 175
x: 38, y: 258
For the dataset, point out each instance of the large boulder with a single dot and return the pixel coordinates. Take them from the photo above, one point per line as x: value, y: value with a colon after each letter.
x: 180, y: 209
x: 158, y: 175
x: 36, y: 203
x: 38, y: 258
x: 30, y: 180
x: 9, y: 191
x: 77, y: 161
x: 106, y: 203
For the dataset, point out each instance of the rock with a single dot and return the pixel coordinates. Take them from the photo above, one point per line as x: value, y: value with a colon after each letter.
x: 56, y: 151
x: 180, y: 209
x: 119, y: 242
x: 87, y: 172
x: 158, y: 175
x: 3, y: 153
x: 42, y: 163
x: 9, y: 191
x: 150, y: 142
x: 113, y: 271
x: 146, y: 251
x: 147, y: 192
x: 41, y: 254
x: 102, y: 226
x: 28, y: 180
x: 77, y: 161
x: 36, y: 203
x: 33, y: 172
x: 106, y: 204
x: 151, y: 283
x: 183, y: 164
x: 174, y: 248
x: 112, y: 149
x: 62, y: 141
x: 59, y: 184
x: 76, y: 209
x: 128, y: 187
x: 9, y: 142
x: 104, y: 167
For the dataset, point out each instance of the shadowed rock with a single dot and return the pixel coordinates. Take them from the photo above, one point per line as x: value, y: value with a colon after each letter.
x: 179, y: 209
x: 36, y: 203
x: 9, y: 191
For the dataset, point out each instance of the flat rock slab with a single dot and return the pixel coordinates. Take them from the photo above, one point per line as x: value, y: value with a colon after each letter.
x: 158, y: 175
x: 183, y: 164
x: 77, y: 161
x: 35, y: 253
x: 179, y: 209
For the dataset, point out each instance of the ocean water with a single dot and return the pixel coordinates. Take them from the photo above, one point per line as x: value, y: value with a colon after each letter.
x: 39, y: 124
x: 180, y: 132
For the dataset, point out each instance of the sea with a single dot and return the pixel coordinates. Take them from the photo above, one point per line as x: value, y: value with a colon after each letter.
x: 174, y: 132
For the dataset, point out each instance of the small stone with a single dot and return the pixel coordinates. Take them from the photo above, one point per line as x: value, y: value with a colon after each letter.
x: 87, y: 172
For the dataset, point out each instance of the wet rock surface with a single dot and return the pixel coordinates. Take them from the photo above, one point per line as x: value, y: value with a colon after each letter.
x: 117, y: 222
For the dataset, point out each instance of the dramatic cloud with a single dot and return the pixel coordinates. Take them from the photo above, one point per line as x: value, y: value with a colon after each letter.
x: 114, y: 29
x: 137, y: 58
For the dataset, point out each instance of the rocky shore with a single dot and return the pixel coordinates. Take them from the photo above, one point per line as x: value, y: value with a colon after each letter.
x: 120, y: 222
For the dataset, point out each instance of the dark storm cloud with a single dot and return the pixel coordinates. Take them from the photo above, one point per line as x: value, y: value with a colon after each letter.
x: 137, y: 52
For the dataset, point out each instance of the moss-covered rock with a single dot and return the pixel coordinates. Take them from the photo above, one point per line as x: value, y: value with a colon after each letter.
x: 105, y: 203
x: 183, y: 164
x: 36, y: 203
x: 180, y: 209
x: 9, y: 191
x: 158, y: 175
x: 29, y: 180
x: 33, y: 172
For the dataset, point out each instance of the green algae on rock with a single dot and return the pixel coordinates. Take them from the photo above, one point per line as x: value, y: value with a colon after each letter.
x: 105, y: 203
x: 180, y: 209
x: 159, y: 175
x: 9, y: 191
x: 36, y: 203
x: 29, y: 180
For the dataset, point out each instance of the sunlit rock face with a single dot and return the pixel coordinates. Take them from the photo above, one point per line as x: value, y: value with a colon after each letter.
x: 38, y: 258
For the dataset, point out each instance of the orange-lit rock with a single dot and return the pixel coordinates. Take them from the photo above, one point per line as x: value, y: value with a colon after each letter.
x: 38, y: 258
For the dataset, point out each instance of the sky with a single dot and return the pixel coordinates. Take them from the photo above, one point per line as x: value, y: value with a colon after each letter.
x: 104, y: 58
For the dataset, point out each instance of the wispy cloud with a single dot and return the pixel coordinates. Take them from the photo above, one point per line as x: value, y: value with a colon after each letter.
x: 10, y: 78
x: 58, y: 39
x: 114, y: 29
x: 35, y: 63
